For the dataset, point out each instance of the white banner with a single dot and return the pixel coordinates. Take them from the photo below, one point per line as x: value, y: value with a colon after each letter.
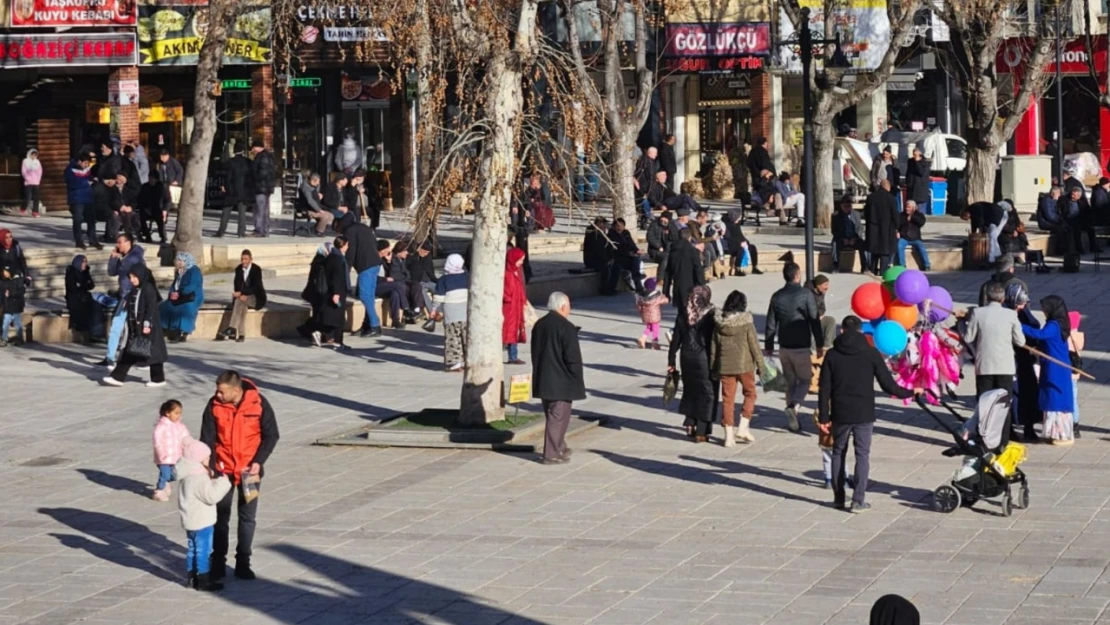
x: 862, y: 25
x: 344, y: 34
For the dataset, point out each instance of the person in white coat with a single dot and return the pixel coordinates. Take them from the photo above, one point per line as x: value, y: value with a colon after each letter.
x: 197, y: 496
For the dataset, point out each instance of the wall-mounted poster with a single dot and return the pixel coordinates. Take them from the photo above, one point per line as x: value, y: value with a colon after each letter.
x: 173, y: 35
x: 36, y: 13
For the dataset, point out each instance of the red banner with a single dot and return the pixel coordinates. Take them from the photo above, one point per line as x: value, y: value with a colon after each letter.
x: 686, y: 40
x: 68, y: 50
x: 34, y: 13
x: 1014, y: 55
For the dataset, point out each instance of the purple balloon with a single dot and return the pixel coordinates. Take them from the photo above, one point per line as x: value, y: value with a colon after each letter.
x: 939, y: 296
x: 912, y: 287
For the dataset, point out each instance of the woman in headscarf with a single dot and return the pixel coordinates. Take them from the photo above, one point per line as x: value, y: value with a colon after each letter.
x: 894, y: 610
x: 1025, y: 408
x: 513, y: 302
x: 84, y: 314
x: 693, y: 335
x: 1055, y: 392
x: 333, y: 310
x: 13, y: 287
x: 179, y: 310
x: 144, y: 329
x: 315, y: 292
x: 450, y: 300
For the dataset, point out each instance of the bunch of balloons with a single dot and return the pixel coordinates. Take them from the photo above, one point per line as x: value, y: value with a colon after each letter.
x: 893, y: 307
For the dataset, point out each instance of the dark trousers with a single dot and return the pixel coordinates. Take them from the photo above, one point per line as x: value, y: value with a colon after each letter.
x: 155, y: 218
x: 864, y: 257
x: 634, y: 269
x: 414, y: 296
x: 880, y: 263
x: 737, y: 255
x: 247, y: 514
x: 111, y: 227
x: 83, y: 215
x: 126, y: 361
x: 984, y: 383
x: 860, y: 434
x: 1078, y: 227
x: 31, y: 193
x: 660, y: 258
x: 241, y: 207
x: 557, y: 419
x: 396, y: 293
x: 130, y: 222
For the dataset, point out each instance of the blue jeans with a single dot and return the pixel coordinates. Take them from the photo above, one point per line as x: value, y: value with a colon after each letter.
x: 645, y: 206
x: 12, y: 320
x: 513, y: 351
x: 367, y: 287
x: 165, y: 475
x: 199, y: 551
x: 115, y: 333
x: 917, y: 245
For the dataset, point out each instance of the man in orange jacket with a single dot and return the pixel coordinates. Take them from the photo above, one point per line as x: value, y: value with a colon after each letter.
x: 240, y: 427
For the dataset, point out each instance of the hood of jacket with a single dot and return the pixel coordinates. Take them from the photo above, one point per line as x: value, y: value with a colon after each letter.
x: 851, y: 343
x: 731, y: 324
x: 186, y: 468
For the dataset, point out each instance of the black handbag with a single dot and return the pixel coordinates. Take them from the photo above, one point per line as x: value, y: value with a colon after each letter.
x: 140, y: 347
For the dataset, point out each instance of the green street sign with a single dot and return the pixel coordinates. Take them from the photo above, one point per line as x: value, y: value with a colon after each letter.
x: 305, y: 82
x: 311, y: 81
x: 236, y: 83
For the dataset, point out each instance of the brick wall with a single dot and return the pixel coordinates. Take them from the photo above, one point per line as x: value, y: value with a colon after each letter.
x: 262, y: 104
x: 53, y: 146
x: 762, y: 111
x: 128, y: 115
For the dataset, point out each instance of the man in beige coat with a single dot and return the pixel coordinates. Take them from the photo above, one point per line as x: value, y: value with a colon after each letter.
x: 993, y: 330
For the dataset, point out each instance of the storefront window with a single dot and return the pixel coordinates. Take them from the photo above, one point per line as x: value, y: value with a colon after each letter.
x: 369, y: 125
x: 233, y: 112
x: 304, y: 129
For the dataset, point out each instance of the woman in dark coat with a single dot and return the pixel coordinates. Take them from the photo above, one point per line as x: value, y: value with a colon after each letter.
x: 315, y: 292
x: 84, y: 314
x: 692, y: 337
x: 881, y: 213
x: 143, y: 322
x: 13, y: 286
x: 917, y: 178
x: 737, y: 241
x: 333, y: 311
x: 1026, y: 408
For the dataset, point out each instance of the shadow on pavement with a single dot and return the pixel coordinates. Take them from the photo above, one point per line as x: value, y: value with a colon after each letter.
x: 116, y: 482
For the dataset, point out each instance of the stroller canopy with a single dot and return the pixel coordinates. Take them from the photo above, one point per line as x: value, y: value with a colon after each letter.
x: 993, y: 413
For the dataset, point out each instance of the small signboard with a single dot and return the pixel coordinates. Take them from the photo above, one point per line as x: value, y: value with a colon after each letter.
x: 520, y: 388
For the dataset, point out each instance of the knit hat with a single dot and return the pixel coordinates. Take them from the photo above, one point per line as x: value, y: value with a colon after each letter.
x: 683, y: 212
x: 197, y: 451
x: 820, y: 279
x: 649, y: 284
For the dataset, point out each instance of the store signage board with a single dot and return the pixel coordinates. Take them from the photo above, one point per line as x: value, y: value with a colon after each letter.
x: 123, y: 92
x: 342, y: 23
x: 714, y: 65
x: 173, y: 35
x: 39, y: 13
x: 241, y: 84
x: 696, y: 40
x: 67, y: 50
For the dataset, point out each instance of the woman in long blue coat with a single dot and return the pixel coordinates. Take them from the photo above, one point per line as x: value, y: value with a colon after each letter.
x: 1055, y: 393
x: 180, y: 308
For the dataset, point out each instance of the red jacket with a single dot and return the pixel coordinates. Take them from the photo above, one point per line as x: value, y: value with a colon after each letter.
x: 239, y: 435
x: 513, y: 300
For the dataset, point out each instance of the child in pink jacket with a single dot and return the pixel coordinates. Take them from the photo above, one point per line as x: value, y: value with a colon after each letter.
x: 648, y: 305
x: 170, y: 438
x: 31, y: 169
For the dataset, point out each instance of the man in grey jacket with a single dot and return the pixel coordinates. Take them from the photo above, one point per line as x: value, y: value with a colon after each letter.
x: 793, y: 316
x: 994, y: 330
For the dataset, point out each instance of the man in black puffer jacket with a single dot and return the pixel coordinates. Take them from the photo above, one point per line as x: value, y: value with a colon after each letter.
x: 846, y: 404
x: 793, y: 316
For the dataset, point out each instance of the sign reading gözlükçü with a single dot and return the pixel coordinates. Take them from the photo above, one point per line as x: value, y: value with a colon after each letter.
x: 173, y: 35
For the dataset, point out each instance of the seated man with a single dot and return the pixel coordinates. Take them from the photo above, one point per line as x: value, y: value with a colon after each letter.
x: 389, y: 289
x: 129, y: 205
x: 655, y: 196
x: 308, y: 200
x: 334, y: 197
x: 152, y: 208
x: 789, y: 199
x: 910, y: 222
x: 595, y: 247
x: 399, y: 272
x: 626, y: 257
x: 421, y: 270
x: 847, y: 231
x: 764, y: 195
x: 249, y: 294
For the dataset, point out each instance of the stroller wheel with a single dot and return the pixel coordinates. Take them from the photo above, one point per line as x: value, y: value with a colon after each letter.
x: 946, y: 499
x: 1007, y: 506
x: 1023, y: 498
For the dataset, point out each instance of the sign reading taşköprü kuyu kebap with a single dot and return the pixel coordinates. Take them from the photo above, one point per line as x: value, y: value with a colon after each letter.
x: 173, y: 35
x: 35, y: 13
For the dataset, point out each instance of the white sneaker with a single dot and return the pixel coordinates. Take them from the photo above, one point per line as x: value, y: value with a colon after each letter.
x: 792, y: 419
x: 456, y: 367
x: 670, y: 335
x: 317, y: 338
x: 730, y: 436
x: 110, y: 381
x: 153, y: 384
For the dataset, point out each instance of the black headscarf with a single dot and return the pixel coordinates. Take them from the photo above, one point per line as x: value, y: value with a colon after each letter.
x: 1055, y: 309
x: 78, y: 262
x: 894, y: 610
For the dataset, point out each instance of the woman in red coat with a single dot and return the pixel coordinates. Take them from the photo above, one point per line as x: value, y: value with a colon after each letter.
x: 512, y: 305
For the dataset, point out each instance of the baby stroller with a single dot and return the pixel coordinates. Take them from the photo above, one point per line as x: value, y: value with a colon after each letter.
x: 990, y: 465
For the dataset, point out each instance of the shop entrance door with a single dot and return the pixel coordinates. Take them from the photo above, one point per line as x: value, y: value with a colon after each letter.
x: 368, y: 123
x: 305, y: 150
x: 722, y: 131
x: 156, y: 137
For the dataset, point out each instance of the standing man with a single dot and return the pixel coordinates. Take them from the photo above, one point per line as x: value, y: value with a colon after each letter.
x: 79, y: 195
x: 126, y: 256
x: 263, y: 173
x: 994, y: 330
x: 820, y: 287
x: 646, y: 174
x: 684, y: 269
x: 881, y: 213
x: 793, y: 316
x: 557, y: 375
x: 847, y: 231
x: 759, y: 160
x: 1100, y: 202
x: 172, y: 175
x: 846, y: 405
x: 910, y: 222
x: 240, y: 427
x: 1004, y: 268
x: 668, y: 162
x: 239, y: 192
x: 362, y: 255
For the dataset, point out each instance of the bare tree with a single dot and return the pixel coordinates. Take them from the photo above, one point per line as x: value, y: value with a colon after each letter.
x: 834, y: 94
x: 1102, y: 82
x: 994, y: 108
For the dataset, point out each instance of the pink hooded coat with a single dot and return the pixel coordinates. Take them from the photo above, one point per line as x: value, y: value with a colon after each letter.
x: 169, y: 440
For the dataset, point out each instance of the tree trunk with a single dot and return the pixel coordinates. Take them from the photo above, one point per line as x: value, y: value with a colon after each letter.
x: 190, y: 212
x: 621, y: 170
x: 823, y: 201
x: 482, y: 393
x: 981, y: 162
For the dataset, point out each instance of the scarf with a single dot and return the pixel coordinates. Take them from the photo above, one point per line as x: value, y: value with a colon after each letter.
x: 4, y: 232
x: 324, y: 249
x: 1016, y: 295
x: 455, y: 265
x: 698, y: 304
x: 187, y: 260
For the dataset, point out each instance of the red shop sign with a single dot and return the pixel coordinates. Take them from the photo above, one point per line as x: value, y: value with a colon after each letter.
x: 33, y: 13
x: 1014, y: 55
x: 705, y: 65
x: 686, y: 40
x: 68, y: 50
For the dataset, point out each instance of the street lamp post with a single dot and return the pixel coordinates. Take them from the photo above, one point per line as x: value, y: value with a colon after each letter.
x: 1059, y: 100
x: 806, y: 41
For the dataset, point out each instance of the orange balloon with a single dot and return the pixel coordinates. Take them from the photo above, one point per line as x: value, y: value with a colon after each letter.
x: 904, y: 314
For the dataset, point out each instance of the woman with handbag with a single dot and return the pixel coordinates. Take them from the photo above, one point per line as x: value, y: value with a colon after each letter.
x: 689, y: 353
x: 145, y: 343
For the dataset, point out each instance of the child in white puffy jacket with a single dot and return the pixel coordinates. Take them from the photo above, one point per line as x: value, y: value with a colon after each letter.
x: 197, y: 496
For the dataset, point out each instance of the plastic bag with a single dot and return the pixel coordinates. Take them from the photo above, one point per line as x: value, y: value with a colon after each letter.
x: 772, y: 378
x: 249, y: 484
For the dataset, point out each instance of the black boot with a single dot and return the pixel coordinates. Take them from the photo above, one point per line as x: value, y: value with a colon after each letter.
x: 192, y: 581
x: 217, y: 569
x: 243, y: 568
x: 206, y: 584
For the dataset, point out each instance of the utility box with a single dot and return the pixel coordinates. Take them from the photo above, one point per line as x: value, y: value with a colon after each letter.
x: 1024, y: 178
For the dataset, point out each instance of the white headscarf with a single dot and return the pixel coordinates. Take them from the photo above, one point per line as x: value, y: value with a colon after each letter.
x: 454, y: 265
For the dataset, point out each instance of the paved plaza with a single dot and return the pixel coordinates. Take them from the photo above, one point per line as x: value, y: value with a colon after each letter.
x: 641, y: 527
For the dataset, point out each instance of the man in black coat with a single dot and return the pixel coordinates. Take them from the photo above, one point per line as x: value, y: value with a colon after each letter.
x: 107, y: 199
x: 335, y: 195
x: 647, y: 170
x: 595, y: 247
x: 759, y: 160
x: 846, y: 405
x: 793, y: 316
x: 1100, y: 202
x: 847, y: 231
x: 249, y: 293
x: 626, y: 257
x: 362, y: 255
x: 263, y: 175
x: 684, y: 269
x: 129, y: 219
x: 661, y: 235
x: 239, y: 193
x: 333, y: 313
x: 881, y: 214
x: 557, y: 375
x: 667, y: 160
